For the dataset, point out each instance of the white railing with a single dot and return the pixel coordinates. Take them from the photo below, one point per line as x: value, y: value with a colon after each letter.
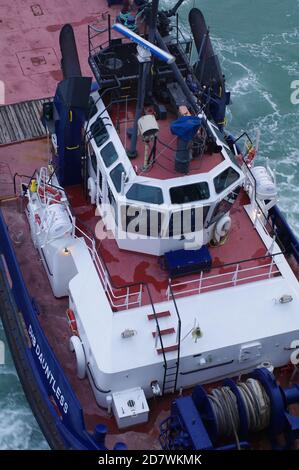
x: 231, y: 278
x: 119, y: 297
x: 119, y: 300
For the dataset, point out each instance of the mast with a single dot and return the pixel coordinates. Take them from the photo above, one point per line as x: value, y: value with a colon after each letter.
x: 145, y: 80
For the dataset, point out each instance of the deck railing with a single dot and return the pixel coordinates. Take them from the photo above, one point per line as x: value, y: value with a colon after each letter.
x: 124, y: 297
x: 129, y: 295
x: 235, y: 276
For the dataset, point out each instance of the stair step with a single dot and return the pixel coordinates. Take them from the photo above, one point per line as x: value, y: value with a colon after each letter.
x: 168, y: 349
x: 159, y: 315
x: 167, y: 331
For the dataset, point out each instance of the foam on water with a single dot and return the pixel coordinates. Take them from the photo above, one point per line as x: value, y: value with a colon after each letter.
x: 18, y: 427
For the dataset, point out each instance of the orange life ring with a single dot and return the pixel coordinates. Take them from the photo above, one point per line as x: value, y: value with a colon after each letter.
x: 72, y: 321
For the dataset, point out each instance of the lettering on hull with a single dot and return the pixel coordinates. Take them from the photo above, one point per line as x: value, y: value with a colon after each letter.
x: 53, y: 383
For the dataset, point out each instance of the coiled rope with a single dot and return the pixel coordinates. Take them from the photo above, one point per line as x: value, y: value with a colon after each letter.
x: 225, y: 407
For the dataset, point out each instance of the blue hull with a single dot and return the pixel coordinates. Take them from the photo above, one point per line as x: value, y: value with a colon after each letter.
x: 47, y: 389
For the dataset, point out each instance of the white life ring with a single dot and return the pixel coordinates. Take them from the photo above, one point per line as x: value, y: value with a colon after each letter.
x: 92, y: 190
x: 76, y: 346
x: 222, y: 228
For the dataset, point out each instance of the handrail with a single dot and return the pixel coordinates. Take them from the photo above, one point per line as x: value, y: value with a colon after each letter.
x: 106, y: 279
x: 266, y: 217
x: 107, y: 282
x: 234, y: 277
x: 179, y: 331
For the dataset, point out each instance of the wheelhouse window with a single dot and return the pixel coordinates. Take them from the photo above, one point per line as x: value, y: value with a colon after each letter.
x: 109, y: 154
x: 116, y: 174
x: 100, y: 180
x: 225, y: 205
x: 187, y: 221
x: 225, y: 179
x: 93, y: 158
x: 189, y: 193
x: 145, y: 193
x: 99, y: 132
x: 113, y: 205
x: 141, y: 221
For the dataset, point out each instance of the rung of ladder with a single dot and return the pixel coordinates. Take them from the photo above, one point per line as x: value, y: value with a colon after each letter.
x: 167, y: 331
x: 159, y: 315
x: 168, y: 349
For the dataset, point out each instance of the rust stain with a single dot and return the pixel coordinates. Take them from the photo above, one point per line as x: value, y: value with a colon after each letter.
x: 57, y: 75
x: 140, y: 274
x: 107, y: 254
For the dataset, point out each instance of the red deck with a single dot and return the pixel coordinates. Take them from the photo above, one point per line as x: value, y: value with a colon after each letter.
x: 29, y: 43
x: 165, y: 155
x: 126, y: 267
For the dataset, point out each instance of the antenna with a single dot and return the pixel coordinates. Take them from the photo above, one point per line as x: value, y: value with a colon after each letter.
x: 145, y: 50
x: 154, y: 50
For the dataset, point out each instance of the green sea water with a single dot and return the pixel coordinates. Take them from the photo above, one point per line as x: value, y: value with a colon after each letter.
x: 258, y: 45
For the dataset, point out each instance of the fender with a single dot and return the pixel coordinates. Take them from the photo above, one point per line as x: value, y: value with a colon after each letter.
x: 76, y: 346
x: 222, y: 228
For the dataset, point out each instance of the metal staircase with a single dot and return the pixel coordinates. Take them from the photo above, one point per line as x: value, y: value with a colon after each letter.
x: 171, y: 366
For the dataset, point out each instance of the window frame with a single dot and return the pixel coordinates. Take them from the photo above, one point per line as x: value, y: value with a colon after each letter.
x: 182, y: 187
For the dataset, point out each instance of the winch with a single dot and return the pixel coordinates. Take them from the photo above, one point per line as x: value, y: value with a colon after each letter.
x: 231, y: 413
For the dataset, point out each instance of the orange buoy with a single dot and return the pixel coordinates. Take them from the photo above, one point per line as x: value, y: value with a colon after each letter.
x: 72, y: 321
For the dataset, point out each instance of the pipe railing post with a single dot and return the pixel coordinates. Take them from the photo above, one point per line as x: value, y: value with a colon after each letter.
x: 200, y: 282
x: 271, y: 266
x: 140, y: 295
x: 235, y: 275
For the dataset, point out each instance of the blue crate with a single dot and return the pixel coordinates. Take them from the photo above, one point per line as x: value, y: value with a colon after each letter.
x: 182, y: 262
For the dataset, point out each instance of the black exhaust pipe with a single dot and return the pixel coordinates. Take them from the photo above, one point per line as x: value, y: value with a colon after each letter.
x: 207, y: 69
x: 70, y: 64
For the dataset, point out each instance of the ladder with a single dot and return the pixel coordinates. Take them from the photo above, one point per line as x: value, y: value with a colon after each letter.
x: 171, y: 367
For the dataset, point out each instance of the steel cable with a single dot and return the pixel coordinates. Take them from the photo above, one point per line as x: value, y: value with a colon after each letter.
x: 225, y: 407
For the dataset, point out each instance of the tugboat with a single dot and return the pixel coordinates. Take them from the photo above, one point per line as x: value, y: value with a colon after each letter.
x: 146, y: 257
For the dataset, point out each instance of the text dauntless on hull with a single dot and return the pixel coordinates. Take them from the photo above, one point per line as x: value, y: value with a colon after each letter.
x: 165, y: 261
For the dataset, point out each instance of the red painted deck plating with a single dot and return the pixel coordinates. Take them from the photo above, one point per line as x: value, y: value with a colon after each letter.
x: 29, y: 43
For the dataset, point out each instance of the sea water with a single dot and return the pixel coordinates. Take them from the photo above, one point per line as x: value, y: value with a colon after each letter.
x: 258, y: 46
